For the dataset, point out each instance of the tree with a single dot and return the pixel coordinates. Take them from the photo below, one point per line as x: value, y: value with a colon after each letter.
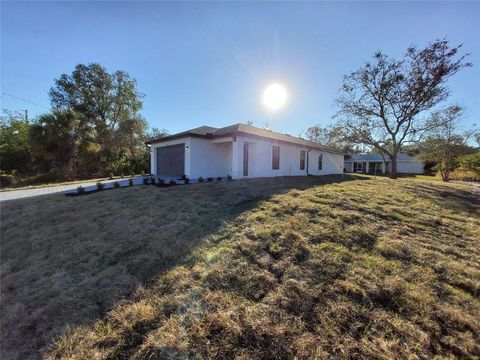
x: 445, y: 143
x: 332, y: 137
x: 383, y: 103
x: 106, y: 103
x: 15, y: 150
x: 56, y: 139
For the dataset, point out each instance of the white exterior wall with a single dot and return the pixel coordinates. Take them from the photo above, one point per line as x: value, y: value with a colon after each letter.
x: 222, y: 157
x: 410, y: 166
x: 153, y: 153
x: 348, y: 166
x: 332, y: 163
x: 260, y: 159
x: 209, y: 159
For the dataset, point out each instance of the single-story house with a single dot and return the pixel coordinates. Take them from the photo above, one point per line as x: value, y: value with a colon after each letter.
x: 241, y: 151
x: 374, y: 163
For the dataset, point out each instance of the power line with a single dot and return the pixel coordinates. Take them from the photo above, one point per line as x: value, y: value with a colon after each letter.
x: 28, y: 101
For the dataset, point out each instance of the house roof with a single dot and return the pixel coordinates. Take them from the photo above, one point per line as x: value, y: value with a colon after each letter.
x: 378, y: 157
x: 243, y: 129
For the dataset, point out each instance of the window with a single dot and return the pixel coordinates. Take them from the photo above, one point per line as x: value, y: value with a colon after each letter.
x: 276, y: 158
x: 302, y: 159
x: 320, y: 161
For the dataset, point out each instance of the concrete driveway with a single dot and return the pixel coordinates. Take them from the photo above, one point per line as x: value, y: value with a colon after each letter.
x: 59, y: 189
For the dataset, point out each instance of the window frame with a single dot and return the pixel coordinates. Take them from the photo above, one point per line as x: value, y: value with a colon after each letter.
x: 302, y: 159
x: 275, y: 161
x: 320, y: 161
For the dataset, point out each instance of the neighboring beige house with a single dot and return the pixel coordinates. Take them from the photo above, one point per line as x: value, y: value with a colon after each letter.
x: 374, y: 163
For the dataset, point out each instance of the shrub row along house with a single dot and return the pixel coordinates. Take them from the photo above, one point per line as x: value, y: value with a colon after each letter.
x: 241, y: 151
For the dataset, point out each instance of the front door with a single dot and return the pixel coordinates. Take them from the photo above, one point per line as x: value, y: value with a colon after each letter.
x: 245, y: 159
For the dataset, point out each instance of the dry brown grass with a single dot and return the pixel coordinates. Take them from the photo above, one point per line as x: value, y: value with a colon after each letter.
x: 270, y: 268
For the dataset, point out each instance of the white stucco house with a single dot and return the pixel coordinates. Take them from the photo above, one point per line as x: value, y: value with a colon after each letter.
x: 374, y: 163
x: 241, y: 151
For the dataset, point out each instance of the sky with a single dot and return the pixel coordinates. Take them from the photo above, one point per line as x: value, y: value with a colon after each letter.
x: 207, y: 63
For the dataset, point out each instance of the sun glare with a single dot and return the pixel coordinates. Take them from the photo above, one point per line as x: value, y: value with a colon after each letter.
x: 274, y: 96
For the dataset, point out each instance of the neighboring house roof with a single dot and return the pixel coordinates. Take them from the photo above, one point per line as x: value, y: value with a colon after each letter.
x: 243, y: 129
x: 378, y: 157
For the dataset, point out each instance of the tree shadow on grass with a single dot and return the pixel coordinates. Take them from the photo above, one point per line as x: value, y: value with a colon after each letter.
x: 67, y: 261
x: 448, y: 197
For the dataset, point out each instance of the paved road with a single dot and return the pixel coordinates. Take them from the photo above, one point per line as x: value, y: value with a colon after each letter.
x: 18, y: 194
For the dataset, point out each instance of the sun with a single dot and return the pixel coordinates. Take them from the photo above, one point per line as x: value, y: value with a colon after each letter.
x: 274, y: 96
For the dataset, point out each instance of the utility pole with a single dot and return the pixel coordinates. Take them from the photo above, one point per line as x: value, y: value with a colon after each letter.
x: 26, y: 115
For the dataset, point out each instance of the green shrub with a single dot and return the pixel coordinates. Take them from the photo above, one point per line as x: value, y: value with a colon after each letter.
x: 186, y: 180
x: 7, y: 180
x: 130, y: 182
x: 146, y: 180
x: 209, y: 179
x: 219, y: 178
x: 80, y: 190
x: 470, y: 162
x: 200, y: 179
x: 100, y: 186
x: 172, y: 182
x: 43, y: 178
x: 229, y: 177
x: 152, y: 180
x: 116, y: 184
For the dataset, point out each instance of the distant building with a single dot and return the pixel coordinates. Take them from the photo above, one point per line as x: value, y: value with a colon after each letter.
x: 374, y: 163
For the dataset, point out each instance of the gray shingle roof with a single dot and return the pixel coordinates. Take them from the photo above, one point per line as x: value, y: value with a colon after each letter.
x: 209, y: 131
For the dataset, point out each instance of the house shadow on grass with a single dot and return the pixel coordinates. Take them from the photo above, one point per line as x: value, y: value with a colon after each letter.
x: 68, y: 261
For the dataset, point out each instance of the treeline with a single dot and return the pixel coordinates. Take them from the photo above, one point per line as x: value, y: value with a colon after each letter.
x: 94, y: 130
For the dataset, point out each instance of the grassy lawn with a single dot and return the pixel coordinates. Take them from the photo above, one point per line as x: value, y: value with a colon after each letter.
x: 267, y: 268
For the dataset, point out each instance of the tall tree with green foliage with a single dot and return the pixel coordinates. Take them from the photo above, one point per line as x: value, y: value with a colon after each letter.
x: 56, y: 139
x: 445, y: 143
x: 384, y: 103
x: 107, y: 104
x: 15, y: 149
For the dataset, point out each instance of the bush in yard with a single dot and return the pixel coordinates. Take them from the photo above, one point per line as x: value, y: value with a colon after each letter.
x: 219, y: 178
x: 229, y: 177
x: 209, y: 179
x: 200, y: 179
x: 186, y: 180
x: 130, y: 182
x: 146, y: 180
x: 100, y: 186
x: 152, y: 180
x: 80, y: 190
x: 116, y: 184
x: 184, y: 177
x: 161, y: 182
x: 6, y: 180
x: 172, y: 182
